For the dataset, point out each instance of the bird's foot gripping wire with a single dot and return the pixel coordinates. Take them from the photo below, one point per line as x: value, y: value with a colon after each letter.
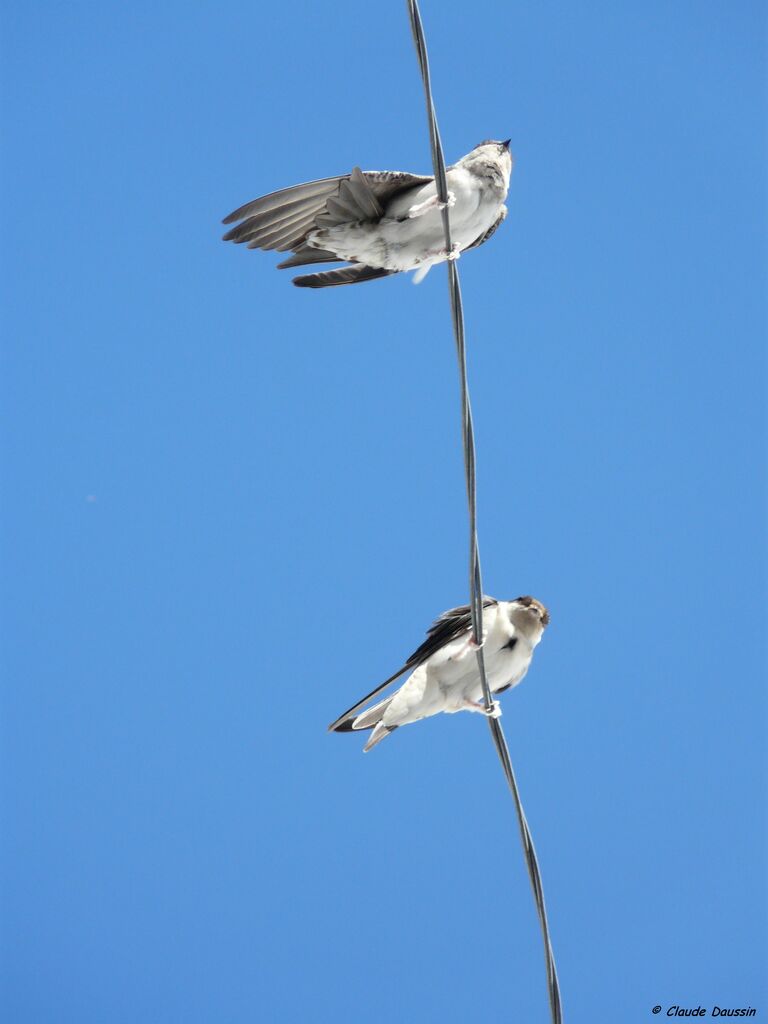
x: 433, y: 203
x: 470, y: 644
x: 476, y: 705
x: 494, y: 711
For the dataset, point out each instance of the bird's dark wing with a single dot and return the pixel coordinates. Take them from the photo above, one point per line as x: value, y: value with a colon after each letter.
x: 491, y: 230
x: 355, y: 274
x: 387, y: 184
x: 282, y: 220
x: 451, y: 625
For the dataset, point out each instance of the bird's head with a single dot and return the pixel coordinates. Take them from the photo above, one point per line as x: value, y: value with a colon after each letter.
x: 493, y: 153
x: 493, y: 146
x: 529, y: 616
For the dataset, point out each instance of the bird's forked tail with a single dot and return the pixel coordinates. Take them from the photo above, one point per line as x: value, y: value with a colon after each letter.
x: 370, y: 719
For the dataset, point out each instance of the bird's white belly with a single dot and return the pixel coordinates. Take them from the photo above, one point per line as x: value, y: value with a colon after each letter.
x: 447, y: 687
x: 501, y: 667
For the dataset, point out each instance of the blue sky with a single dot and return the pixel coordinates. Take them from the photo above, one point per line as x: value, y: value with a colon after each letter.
x: 231, y: 508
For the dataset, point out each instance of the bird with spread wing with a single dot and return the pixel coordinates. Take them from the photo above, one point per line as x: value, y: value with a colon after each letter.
x: 378, y: 222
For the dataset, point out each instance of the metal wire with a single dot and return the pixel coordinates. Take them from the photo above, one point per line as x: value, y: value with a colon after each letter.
x: 475, y: 574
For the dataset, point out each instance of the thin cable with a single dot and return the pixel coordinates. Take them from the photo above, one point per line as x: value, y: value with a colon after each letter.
x: 475, y: 575
x: 457, y: 315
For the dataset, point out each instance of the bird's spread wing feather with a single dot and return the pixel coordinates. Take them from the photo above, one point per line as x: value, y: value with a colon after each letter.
x: 451, y: 625
x: 291, y: 209
x: 306, y: 254
x: 282, y: 220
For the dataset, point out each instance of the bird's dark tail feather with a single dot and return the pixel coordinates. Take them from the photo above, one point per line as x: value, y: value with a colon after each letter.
x: 344, y: 723
x: 370, y: 719
x: 347, y: 275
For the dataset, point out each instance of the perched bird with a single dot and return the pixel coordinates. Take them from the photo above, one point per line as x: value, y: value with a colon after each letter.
x: 444, y: 672
x: 381, y: 222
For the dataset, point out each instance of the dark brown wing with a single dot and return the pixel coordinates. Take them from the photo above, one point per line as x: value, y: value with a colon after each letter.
x: 282, y: 220
x: 388, y: 184
x: 491, y: 230
x: 451, y: 625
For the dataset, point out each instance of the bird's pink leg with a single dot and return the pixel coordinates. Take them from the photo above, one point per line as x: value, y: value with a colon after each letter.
x: 436, y: 255
x: 469, y: 645
x: 433, y: 203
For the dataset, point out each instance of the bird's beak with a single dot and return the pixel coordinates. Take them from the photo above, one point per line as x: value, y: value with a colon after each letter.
x: 506, y: 143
